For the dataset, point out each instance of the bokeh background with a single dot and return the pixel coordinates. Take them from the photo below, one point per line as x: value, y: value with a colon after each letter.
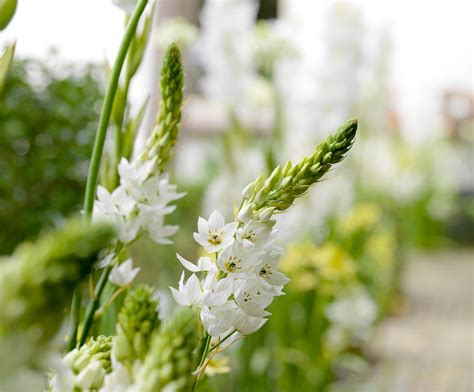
x: 265, y: 82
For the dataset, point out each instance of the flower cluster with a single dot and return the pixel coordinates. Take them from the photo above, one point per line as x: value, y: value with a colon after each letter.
x: 142, y: 200
x: 139, y: 203
x: 239, y: 278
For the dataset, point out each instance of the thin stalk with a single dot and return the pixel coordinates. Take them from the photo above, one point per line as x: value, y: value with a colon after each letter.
x: 119, y: 131
x: 222, y: 341
x: 203, y: 359
x: 94, y: 305
x: 91, y: 186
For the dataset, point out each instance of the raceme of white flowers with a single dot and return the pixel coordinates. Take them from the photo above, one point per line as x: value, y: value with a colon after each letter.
x: 234, y: 285
x: 139, y: 204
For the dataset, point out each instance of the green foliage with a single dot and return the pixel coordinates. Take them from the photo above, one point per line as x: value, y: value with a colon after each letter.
x: 37, y: 280
x: 47, y: 125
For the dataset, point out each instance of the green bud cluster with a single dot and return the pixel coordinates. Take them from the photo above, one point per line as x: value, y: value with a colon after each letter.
x: 170, y: 361
x: 96, y: 349
x: 284, y: 185
x: 137, y: 320
x: 163, y: 138
x: 37, y: 281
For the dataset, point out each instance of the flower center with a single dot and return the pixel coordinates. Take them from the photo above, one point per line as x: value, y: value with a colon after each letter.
x: 265, y: 271
x: 232, y: 264
x: 250, y: 235
x: 214, y: 238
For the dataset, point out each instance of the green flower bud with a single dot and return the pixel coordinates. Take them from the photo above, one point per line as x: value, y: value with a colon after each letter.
x: 7, y: 10
x: 280, y: 194
x: 163, y: 138
x: 137, y: 321
x: 170, y: 362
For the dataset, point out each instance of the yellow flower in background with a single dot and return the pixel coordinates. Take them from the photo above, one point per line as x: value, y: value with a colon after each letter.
x: 310, y: 266
x: 217, y: 366
x: 381, y: 247
x: 363, y: 217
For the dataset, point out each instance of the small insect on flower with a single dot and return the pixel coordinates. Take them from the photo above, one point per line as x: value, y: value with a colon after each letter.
x: 213, y: 234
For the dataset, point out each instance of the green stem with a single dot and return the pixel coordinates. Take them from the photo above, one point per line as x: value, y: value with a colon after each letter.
x: 94, y: 305
x: 119, y: 132
x: 91, y: 186
x: 222, y: 341
x: 203, y: 359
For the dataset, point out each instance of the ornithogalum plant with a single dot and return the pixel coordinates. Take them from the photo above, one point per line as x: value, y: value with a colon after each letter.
x: 228, y: 290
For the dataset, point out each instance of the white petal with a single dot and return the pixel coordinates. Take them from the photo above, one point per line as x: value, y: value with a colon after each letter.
x: 216, y: 220
x: 187, y: 264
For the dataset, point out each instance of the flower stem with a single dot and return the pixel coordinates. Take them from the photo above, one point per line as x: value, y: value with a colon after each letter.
x: 203, y: 359
x: 91, y: 186
x: 94, y: 305
x: 107, y: 109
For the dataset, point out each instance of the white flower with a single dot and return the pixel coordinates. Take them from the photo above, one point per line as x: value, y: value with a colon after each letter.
x: 268, y: 276
x: 246, y: 324
x: 118, y: 380
x: 214, y: 234
x: 216, y: 292
x: 125, y: 5
x: 236, y: 260
x: 251, y: 299
x: 218, y: 319
x: 124, y: 273
x: 189, y: 293
x: 105, y: 261
x: 255, y: 234
x: 117, y: 209
x: 91, y: 377
x: 203, y: 264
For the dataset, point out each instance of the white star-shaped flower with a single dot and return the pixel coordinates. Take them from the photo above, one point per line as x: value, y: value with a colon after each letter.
x: 189, y: 293
x: 214, y: 235
x: 124, y: 273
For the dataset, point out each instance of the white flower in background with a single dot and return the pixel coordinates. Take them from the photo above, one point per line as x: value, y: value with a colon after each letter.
x: 214, y: 235
x: 125, y: 5
x: 351, y: 315
x: 124, y: 273
x: 177, y: 31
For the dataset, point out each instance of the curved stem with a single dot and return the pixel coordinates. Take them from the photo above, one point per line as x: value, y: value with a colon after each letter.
x: 107, y: 109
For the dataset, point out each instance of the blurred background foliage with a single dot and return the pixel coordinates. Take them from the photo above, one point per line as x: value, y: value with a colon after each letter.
x: 47, y: 124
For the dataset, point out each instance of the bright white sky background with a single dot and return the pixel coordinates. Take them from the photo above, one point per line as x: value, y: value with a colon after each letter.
x: 433, y: 44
